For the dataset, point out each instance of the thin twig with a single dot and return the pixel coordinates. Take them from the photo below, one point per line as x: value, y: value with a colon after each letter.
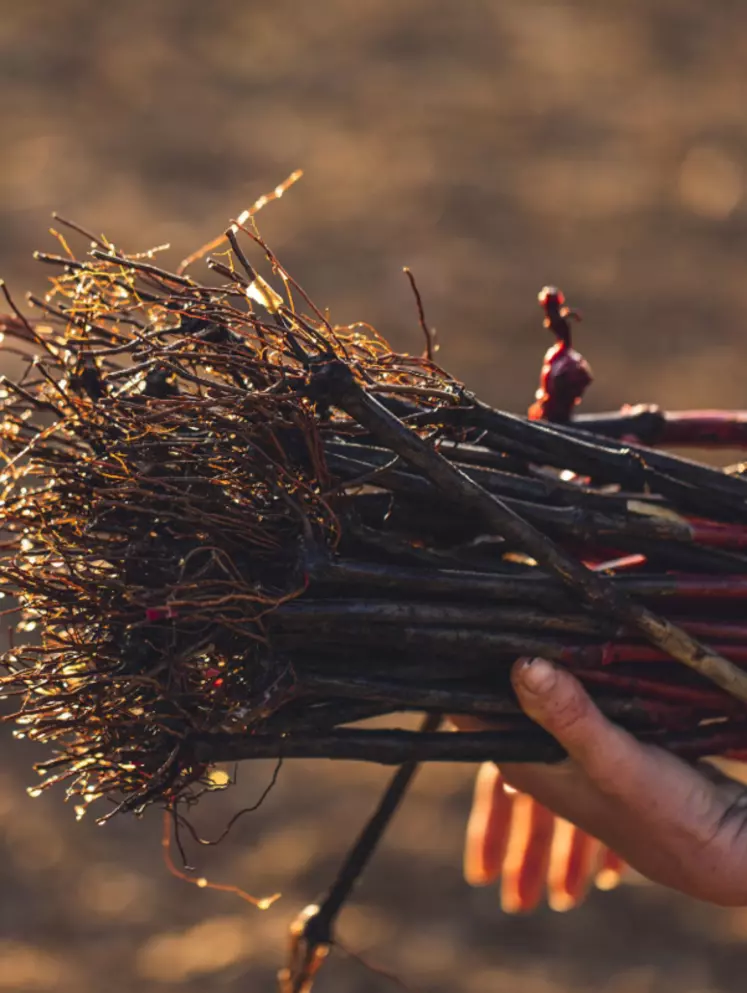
x: 429, y: 333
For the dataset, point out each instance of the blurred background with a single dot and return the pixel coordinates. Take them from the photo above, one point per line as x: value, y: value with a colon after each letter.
x: 492, y: 147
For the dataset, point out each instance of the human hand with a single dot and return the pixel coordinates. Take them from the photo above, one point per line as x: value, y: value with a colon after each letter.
x: 679, y: 825
x: 513, y: 838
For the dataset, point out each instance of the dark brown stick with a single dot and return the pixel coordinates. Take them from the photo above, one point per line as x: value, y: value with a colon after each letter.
x: 463, y: 491
x: 383, y: 747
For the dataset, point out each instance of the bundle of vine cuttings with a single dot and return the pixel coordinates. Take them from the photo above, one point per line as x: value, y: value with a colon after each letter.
x: 233, y: 529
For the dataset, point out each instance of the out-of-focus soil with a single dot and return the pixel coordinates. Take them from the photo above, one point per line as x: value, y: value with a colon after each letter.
x: 493, y: 147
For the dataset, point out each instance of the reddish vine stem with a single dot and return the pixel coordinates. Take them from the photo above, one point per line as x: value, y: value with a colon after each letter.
x: 428, y: 332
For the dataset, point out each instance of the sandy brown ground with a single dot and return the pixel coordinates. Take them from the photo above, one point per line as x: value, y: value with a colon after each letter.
x: 493, y: 147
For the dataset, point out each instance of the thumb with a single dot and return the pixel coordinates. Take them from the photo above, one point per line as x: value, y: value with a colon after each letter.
x: 555, y: 700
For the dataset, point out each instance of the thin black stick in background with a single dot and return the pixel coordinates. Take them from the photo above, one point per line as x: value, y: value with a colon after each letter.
x: 313, y: 932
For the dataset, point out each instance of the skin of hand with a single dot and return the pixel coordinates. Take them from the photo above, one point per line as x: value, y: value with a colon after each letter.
x: 682, y: 826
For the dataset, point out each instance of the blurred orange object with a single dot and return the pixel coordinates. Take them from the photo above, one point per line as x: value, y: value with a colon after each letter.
x: 513, y: 838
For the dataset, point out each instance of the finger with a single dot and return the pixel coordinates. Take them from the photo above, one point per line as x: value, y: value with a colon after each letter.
x: 610, y: 871
x: 660, y: 814
x: 488, y: 827
x: 652, y: 784
x: 558, y: 702
x: 573, y: 861
x: 527, y: 856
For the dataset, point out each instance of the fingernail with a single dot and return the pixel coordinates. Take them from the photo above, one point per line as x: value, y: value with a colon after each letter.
x: 538, y: 676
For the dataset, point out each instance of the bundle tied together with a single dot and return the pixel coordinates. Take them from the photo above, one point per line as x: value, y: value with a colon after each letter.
x: 234, y: 529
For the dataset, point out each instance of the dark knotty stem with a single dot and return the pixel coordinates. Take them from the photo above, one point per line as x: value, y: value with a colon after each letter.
x: 313, y: 933
x: 239, y: 253
x: 600, y: 594
x: 380, y: 746
x: 397, y: 747
x: 412, y: 583
x: 384, y: 747
x: 568, y: 447
x: 583, y: 525
x: 311, y: 615
x: 447, y: 699
x: 79, y: 229
x: 146, y: 267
